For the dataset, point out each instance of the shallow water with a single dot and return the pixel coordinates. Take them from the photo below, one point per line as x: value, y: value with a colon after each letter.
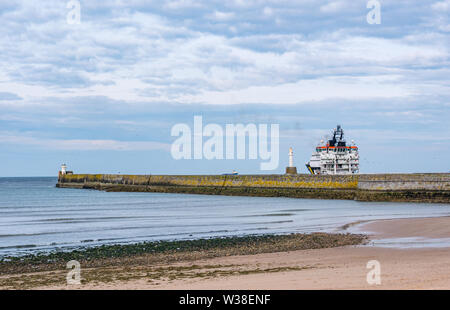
x: 37, y: 216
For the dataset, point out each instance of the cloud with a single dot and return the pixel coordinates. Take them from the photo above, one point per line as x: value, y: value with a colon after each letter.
x: 9, y: 96
x: 132, y: 69
x: 268, y: 11
x: 441, y: 6
x: 333, y: 7
x: 182, y: 4
x: 309, y: 91
x: 81, y: 144
x: 138, y: 51
x: 222, y: 16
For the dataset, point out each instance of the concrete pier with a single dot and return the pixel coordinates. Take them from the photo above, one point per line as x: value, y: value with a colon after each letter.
x: 428, y: 187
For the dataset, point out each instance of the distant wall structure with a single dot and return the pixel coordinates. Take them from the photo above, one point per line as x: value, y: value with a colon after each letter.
x: 417, y: 187
x: 376, y: 187
x: 422, y: 181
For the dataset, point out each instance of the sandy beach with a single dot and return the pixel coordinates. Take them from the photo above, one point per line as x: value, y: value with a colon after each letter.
x: 337, y: 268
x: 329, y: 268
x: 433, y: 227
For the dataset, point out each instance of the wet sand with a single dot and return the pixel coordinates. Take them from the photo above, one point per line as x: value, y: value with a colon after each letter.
x: 332, y: 268
x: 337, y: 268
x: 407, y: 228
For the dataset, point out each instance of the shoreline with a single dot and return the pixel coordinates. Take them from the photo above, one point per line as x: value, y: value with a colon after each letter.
x: 433, y: 227
x: 278, y: 265
x: 420, y: 232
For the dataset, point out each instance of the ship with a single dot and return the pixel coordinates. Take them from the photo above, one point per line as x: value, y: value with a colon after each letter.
x: 334, y: 156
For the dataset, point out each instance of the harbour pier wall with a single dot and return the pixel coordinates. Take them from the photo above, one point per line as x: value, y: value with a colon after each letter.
x: 426, y: 187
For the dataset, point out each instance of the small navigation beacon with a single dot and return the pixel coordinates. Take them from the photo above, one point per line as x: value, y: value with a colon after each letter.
x: 291, y: 169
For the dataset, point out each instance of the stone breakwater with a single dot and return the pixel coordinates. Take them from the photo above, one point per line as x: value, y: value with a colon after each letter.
x: 427, y: 187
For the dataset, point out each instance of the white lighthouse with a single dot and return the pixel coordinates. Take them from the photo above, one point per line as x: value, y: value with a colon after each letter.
x: 291, y: 158
x: 291, y: 169
x: 63, y: 169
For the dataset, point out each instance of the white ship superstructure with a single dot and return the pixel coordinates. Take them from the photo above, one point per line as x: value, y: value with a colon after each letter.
x: 334, y: 156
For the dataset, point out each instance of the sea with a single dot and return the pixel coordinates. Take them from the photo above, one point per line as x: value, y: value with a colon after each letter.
x: 36, y: 217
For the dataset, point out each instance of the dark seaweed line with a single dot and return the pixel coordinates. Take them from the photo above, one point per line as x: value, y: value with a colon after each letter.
x: 275, y: 242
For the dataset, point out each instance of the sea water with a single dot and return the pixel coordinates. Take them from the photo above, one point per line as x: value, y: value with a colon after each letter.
x: 36, y: 216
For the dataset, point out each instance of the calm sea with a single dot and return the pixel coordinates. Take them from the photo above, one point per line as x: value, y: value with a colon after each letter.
x: 37, y: 216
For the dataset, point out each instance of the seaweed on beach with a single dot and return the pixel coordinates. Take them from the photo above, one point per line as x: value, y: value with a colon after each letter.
x: 177, y: 250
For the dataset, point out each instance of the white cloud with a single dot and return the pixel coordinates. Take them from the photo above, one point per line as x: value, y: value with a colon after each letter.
x: 268, y: 11
x: 81, y: 144
x: 307, y: 91
x: 333, y: 7
x: 135, y: 55
x: 441, y: 6
x: 222, y: 16
x: 182, y: 4
x: 128, y: 60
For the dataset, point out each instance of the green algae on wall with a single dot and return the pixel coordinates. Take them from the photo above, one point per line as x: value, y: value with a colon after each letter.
x: 272, y: 181
x: 378, y: 187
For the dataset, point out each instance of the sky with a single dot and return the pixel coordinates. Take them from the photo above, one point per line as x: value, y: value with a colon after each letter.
x: 102, y: 95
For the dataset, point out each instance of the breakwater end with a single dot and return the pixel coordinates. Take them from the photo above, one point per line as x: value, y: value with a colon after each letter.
x: 420, y: 187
